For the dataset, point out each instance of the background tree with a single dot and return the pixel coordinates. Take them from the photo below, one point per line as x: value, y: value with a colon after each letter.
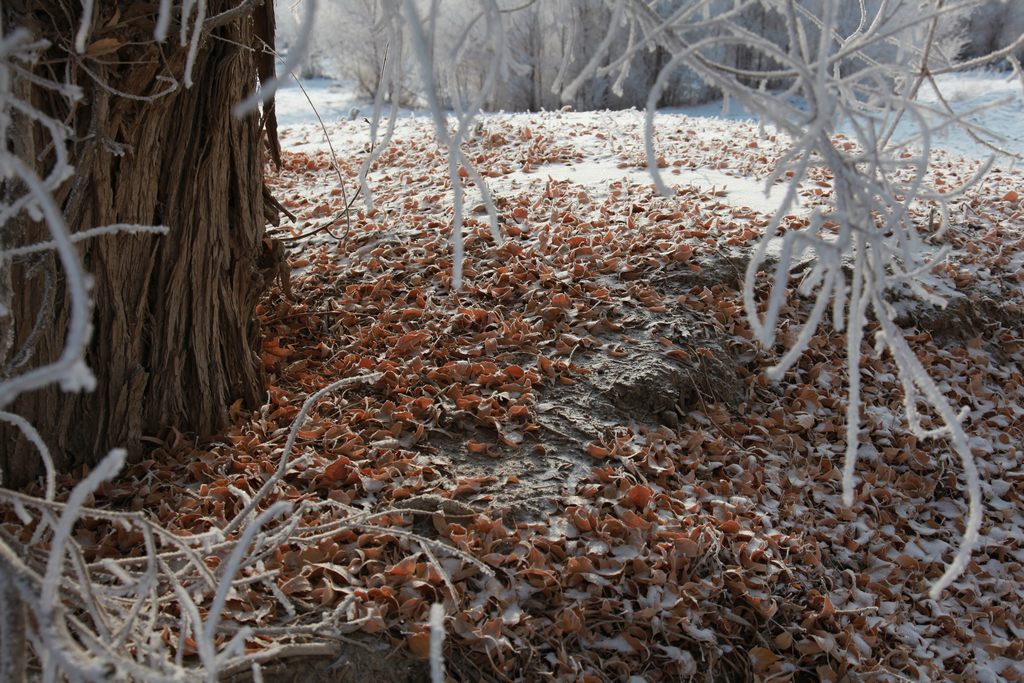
x: 547, y: 42
x: 993, y: 26
x: 174, y: 314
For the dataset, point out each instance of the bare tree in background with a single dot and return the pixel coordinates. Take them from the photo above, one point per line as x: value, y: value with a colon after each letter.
x: 993, y: 26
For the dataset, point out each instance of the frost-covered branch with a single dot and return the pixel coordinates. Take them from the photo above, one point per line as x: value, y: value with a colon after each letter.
x: 851, y: 77
x: 113, y: 229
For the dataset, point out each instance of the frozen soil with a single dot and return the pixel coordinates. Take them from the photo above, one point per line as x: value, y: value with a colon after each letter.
x: 355, y: 661
x: 609, y: 390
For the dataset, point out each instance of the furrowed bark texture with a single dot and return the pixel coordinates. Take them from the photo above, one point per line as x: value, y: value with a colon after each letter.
x: 13, y: 645
x: 175, y: 331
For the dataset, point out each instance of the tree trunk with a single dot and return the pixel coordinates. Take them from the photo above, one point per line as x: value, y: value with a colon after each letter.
x: 13, y: 626
x: 175, y: 332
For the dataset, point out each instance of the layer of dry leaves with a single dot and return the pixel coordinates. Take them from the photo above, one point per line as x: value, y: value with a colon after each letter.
x: 713, y: 548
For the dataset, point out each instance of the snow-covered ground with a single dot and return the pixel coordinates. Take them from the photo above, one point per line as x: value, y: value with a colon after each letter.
x: 989, y: 100
x: 332, y: 100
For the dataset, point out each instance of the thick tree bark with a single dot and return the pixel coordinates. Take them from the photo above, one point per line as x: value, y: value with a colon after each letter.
x: 175, y: 332
x: 13, y: 626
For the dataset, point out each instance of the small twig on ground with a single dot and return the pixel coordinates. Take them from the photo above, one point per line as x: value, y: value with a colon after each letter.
x: 326, y: 227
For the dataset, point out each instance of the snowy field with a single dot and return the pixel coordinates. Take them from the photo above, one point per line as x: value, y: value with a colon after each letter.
x: 987, y: 99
